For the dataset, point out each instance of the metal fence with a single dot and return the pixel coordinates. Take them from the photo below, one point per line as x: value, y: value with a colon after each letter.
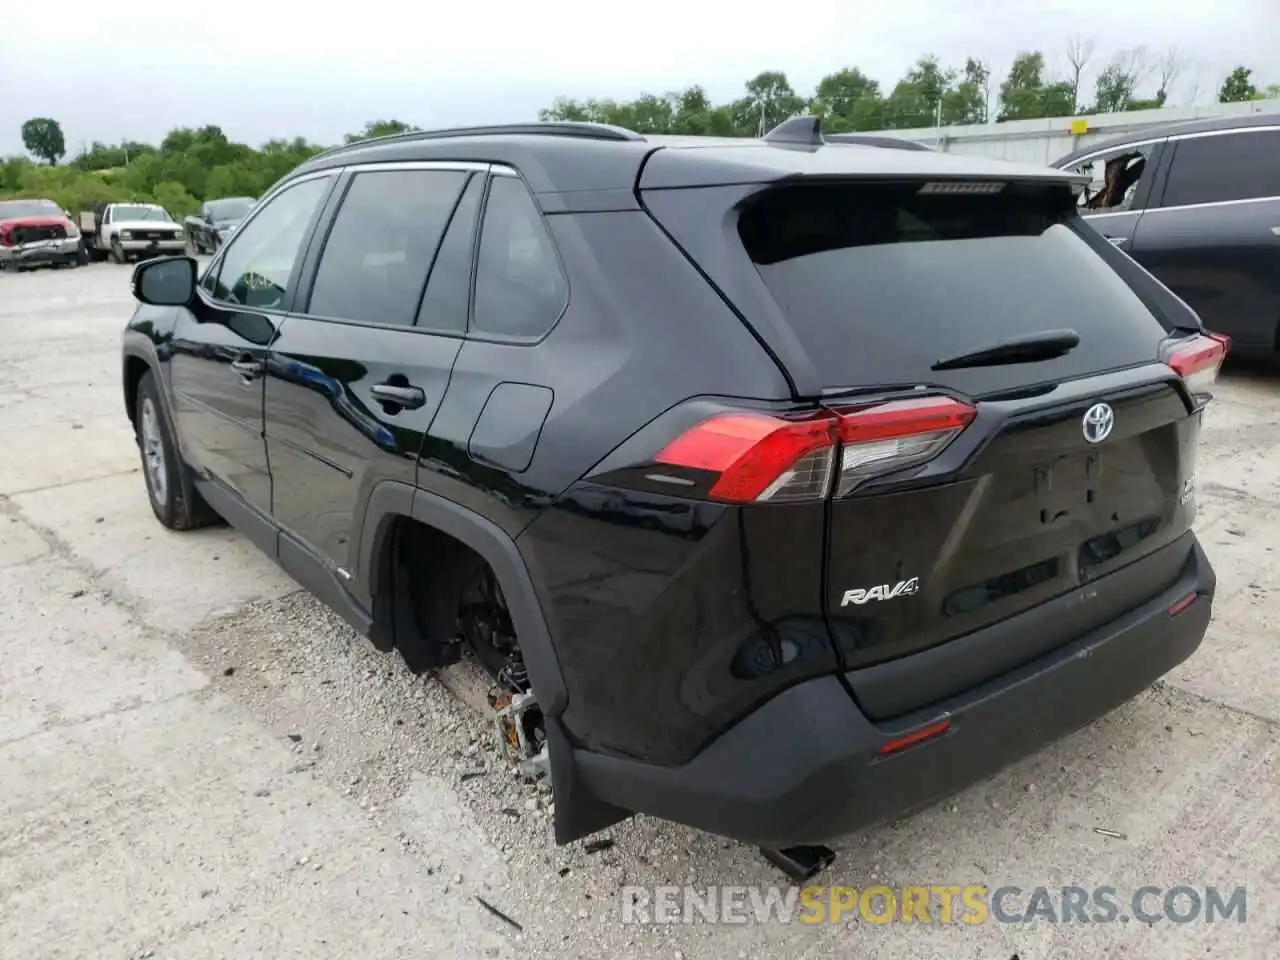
x: 1043, y: 141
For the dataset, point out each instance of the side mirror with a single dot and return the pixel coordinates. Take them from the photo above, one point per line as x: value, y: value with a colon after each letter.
x: 165, y: 282
x: 208, y: 218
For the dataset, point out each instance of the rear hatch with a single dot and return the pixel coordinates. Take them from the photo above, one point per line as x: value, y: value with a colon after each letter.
x: 1009, y: 414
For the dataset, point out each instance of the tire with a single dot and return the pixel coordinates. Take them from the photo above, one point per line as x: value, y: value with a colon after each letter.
x: 170, y: 488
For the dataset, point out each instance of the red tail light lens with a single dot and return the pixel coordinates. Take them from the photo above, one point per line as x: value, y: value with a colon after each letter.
x: 759, y: 457
x: 1198, y: 362
x: 764, y: 458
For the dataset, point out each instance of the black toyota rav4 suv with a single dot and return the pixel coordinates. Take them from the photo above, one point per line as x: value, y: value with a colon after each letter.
x: 781, y: 485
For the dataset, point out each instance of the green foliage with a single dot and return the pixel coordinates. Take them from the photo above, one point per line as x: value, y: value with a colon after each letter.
x: 190, y: 165
x: 379, y: 128
x: 1238, y: 87
x: 42, y: 137
x: 193, y: 164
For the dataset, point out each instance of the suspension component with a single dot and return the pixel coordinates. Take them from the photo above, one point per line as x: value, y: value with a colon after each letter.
x: 519, y: 723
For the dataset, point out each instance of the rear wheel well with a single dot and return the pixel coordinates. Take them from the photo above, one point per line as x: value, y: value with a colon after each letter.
x: 135, y: 368
x: 423, y: 576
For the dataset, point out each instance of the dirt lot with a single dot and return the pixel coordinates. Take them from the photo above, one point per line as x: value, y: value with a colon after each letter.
x: 197, y: 760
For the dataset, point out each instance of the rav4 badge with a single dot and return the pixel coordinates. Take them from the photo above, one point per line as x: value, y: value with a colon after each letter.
x: 887, y: 591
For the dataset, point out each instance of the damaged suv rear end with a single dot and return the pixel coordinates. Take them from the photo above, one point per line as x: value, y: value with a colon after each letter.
x: 37, y: 233
x: 961, y: 531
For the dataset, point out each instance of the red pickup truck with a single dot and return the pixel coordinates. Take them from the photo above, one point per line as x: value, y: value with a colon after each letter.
x: 37, y: 233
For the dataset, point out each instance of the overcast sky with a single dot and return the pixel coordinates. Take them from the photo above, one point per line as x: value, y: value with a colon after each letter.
x: 280, y: 68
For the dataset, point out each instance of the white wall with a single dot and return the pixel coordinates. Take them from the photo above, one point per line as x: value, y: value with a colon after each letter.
x: 1044, y: 141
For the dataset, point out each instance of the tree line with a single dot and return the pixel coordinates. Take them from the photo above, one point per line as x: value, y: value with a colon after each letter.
x: 929, y: 94
x: 194, y: 164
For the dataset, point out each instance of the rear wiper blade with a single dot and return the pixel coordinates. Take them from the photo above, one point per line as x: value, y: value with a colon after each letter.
x: 1026, y: 349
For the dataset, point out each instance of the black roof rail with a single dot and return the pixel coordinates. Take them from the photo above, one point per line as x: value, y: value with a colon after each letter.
x: 877, y: 140
x: 798, y: 130
x: 553, y: 128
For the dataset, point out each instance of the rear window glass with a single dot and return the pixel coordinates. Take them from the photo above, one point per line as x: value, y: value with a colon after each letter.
x: 879, y: 282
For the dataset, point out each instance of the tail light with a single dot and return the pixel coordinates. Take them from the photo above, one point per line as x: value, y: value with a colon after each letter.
x: 757, y: 457
x: 6, y: 236
x: 1198, y: 362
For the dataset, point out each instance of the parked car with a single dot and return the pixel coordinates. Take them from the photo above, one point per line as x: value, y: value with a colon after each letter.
x: 781, y: 486
x: 209, y: 229
x: 37, y: 232
x: 1198, y: 204
x: 130, y: 231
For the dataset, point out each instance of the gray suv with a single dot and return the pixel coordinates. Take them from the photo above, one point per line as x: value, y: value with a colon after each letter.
x: 1198, y: 205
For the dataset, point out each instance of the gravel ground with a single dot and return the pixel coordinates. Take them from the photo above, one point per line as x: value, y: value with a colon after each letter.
x: 203, y: 761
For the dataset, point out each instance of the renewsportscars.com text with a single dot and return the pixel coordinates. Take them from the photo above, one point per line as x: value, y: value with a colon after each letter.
x: 933, y: 904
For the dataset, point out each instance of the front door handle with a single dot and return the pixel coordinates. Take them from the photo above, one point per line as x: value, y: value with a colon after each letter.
x: 1118, y: 241
x: 247, y: 368
x: 401, y: 395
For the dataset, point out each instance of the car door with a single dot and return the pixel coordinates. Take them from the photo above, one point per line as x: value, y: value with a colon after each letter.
x: 359, y: 370
x: 219, y: 346
x: 485, y: 434
x: 1120, y: 187
x: 1213, y: 235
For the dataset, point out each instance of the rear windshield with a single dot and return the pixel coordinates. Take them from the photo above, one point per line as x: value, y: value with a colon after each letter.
x: 880, y: 281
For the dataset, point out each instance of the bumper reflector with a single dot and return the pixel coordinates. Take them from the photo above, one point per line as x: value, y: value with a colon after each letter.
x: 1182, y: 604
x: 929, y: 732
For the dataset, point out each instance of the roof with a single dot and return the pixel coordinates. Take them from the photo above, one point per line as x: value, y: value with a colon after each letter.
x: 1180, y: 129
x: 583, y: 157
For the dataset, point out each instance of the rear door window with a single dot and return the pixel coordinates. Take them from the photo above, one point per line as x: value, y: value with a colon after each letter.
x: 448, y: 295
x: 879, y: 282
x: 383, y: 241
x: 1230, y: 166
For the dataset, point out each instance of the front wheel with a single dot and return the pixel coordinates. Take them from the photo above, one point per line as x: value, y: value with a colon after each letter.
x: 174, y: 499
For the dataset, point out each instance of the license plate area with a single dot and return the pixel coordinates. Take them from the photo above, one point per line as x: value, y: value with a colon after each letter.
x: 1068, y: 488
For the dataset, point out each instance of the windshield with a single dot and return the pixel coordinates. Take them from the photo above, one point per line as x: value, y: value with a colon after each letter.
x: 127, y: 211
x: 13, y: 209
x: 236, y: 208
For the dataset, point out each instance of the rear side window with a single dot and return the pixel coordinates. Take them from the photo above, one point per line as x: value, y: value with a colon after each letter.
x: 520, y: 289
x: 377, y: 255
x: 879, y: 282
x: 1230, y: 166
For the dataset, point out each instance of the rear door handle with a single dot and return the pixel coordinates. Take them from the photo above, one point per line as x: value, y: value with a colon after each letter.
x: 406, y: 397
x: 1118, y: 241
x: 249, y: 369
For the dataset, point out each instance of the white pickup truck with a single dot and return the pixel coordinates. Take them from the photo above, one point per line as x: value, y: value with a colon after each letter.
x: 130, y: 231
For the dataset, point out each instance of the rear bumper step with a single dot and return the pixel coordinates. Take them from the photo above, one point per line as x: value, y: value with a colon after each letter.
x: 806, y: 766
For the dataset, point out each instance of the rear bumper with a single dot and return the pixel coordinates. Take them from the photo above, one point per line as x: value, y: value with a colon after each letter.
x: 805, y: 767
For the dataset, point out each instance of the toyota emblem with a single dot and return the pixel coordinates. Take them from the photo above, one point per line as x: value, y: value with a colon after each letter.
x: 1098, y: 421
